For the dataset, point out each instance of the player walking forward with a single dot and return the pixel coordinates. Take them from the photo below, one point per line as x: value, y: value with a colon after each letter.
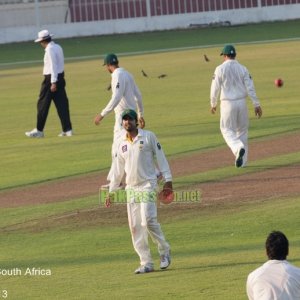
x: 233, y: 83
x: 52, y: 88
x: 125, y: 95
x: 135, y: 158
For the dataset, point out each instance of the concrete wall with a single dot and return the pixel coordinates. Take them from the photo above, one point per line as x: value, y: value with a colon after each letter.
x: 28, y: 14
x: 64, y: 30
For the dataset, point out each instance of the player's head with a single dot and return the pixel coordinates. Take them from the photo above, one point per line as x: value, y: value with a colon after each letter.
x: 111, y: 62
x: 44, y: 37
x: 111, y: 59
x: 228, y: 51
x: 130, y: 116
x: 277, y: 246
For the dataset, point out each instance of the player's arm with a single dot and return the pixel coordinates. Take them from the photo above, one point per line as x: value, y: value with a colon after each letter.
x: 167, y: 191
x: 54, y: 72
x: 161, y: 159
x: 140, y: 107
x: 248, y: 81
x: 116, y: 178
x: 214, y: 92
x: 118, y: 87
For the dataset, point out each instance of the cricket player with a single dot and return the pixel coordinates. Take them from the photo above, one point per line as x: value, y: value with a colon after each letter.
x: 125, y: 95
x: 232, y: 83
x: 276, y: 279
x: 136, y: 155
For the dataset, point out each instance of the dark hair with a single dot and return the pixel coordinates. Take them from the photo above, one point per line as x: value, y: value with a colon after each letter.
x: 48, y: 40
x: 277, y: 246
x: 231, y: 56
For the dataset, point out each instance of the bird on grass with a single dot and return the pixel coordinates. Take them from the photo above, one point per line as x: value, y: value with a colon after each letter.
x: 206, y: 58
x: 162, y: 76
x: 144, y: 74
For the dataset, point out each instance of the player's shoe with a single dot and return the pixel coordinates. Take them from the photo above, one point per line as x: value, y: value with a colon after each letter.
x: 34, y: 133
x: 239, y: 158
x: 144, y: 269
x: 66, y: 133
x: 165, y: 260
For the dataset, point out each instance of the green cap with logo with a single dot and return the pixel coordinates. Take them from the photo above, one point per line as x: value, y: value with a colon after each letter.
x: 228, y: 50
x: 110, y: 59
x: 129, y: 112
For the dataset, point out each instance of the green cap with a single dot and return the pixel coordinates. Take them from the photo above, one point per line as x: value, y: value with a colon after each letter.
x: 228, y: 50
x: 110, y: 59
x: 129, y: 112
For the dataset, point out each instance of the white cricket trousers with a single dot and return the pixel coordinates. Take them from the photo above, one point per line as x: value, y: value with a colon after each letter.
x: 234, y: 125
x: 142, y: 219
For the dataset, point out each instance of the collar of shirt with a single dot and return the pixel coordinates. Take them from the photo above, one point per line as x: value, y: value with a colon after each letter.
x: 128, y: 139
x: 117, y: 71
x: 51, y: 43
x: 275, y: 262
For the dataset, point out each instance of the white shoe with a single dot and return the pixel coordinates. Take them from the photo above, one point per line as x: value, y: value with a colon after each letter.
x: 34, y: 133
x: 66, y: 133
x: 144, y: 269
x: 165, y: 260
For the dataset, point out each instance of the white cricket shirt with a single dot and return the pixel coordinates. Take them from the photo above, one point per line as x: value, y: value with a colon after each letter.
x: 137, y: 160
x: 274, y: 280
x: 125, y: 94
x: 53, y: 61
x: 232, y: 81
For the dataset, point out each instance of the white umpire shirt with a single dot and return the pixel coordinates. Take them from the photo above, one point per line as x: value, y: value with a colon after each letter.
x: 137, y: 159
x: 274, y: 280
x: 232, y: 81
x: 125, y: 94
x: 53, y: 61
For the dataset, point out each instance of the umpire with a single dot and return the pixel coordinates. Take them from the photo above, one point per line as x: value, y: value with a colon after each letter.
x: 52, y: 88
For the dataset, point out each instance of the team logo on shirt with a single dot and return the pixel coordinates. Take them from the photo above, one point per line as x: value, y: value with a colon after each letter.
x: 141, y: 145
x: 124, y: 148
x: 118, y: 85
x: 158, y: 146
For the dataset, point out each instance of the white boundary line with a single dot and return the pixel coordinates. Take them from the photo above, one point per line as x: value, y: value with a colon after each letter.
x: 88, y: 57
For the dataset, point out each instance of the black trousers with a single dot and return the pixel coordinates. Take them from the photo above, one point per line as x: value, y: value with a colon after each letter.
x: 60, y: 100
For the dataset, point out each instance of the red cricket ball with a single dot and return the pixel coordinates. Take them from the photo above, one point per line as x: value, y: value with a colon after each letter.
x: 278, y: 82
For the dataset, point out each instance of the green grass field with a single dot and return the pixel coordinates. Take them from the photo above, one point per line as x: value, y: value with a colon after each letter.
x: 90, y: 253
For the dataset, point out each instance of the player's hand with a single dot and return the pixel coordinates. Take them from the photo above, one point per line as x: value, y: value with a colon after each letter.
x: 142, y: 122
x: 168, y: 186
x: 53, y: 87
x: 213, y: 110
x: 166, y: 196
x: 98, y: 119
x: 258, y: 111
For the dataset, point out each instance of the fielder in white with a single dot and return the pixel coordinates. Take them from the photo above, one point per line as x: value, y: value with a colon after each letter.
x: 138, y: 152
x: 125, y: 95
x: 277, y: 279
x: 232, y: 83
